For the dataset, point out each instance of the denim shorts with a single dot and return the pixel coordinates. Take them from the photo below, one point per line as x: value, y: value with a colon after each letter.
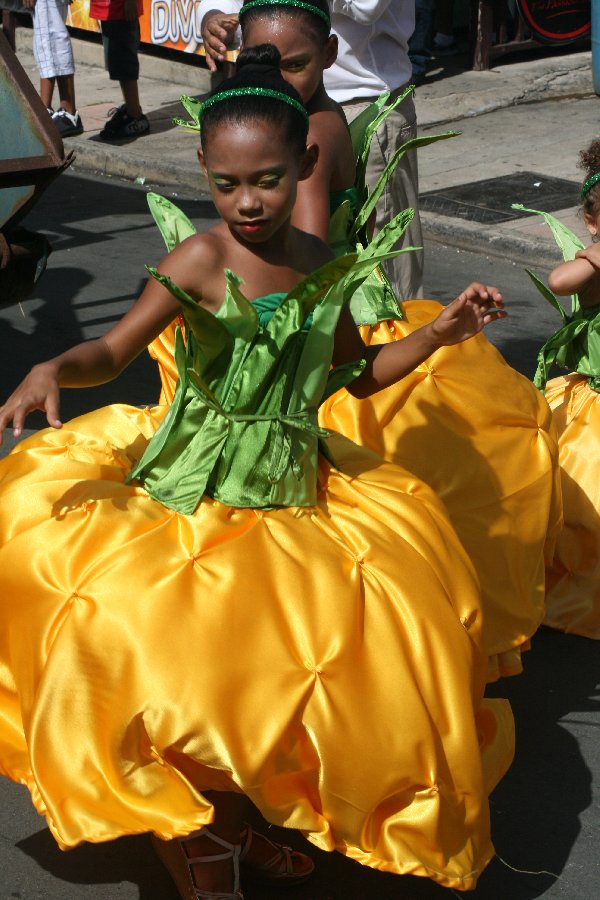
x: 121, y: 42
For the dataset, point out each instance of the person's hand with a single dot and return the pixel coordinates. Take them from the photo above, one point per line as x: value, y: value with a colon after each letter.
x: 217, y: 30
x: 130, y: 10
x: 39, y: 390
x: 473, y: 309
x: 592, y: 254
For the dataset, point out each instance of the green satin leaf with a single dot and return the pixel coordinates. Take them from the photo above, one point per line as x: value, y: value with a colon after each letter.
x: 364, y: 213
x: 173, y: 224
x: 547, y: 294
x: 193, y: 107
x: 339, y: 228
x: 382, y: 112
x: 556, y: 350
x: 341, y: 376
x: 568, y: 242
x: 236, y: 311
x: 358, y: 126
x: 211, y: 334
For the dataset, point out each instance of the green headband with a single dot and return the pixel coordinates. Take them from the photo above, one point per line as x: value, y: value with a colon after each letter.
x: 255, y: 92
x: 298, y: 4
x: 589, y: 184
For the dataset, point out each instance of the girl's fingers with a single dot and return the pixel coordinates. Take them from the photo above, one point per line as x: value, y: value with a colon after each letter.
x: 52, y: 407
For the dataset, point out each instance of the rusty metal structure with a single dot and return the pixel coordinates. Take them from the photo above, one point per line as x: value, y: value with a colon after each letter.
x: 31, y: 156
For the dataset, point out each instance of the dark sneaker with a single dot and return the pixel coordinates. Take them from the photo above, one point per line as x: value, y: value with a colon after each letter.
x: 122, y: 125
x: 68, y: 125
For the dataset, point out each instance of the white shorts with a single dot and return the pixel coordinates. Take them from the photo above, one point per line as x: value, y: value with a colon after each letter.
x: 51, y: 41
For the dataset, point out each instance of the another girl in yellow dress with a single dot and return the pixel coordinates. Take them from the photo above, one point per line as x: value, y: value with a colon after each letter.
x: 573, y: 575
x: 464, y: 421
x: 198, y: 607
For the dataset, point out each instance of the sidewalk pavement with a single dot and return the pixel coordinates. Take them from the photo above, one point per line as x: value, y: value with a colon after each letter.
x: 528, y: 117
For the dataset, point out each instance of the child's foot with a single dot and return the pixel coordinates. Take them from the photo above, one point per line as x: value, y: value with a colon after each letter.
x: 266, y: 862
x: 122, y: 125
x: 202, y: 866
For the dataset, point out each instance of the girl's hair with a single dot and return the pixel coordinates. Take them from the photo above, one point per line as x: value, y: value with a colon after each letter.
x: 589, y: 161
x: 257, y: 68
x: 312, y: 15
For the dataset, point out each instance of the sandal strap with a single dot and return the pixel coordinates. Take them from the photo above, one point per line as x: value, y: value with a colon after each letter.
x: 232, y: 852
x: 282, y: 853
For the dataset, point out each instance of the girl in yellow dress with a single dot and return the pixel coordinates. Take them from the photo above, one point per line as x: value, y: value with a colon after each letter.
x: 573, y: 575
x: 464, y: 421
x: 220, y: 601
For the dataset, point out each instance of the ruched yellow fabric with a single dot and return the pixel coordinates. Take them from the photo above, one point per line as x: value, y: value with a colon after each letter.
x: 481, y: 436
x: 573, y: 576
x: 326, y: 661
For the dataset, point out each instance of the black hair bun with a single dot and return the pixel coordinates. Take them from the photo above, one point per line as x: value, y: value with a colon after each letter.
x: 259, y: 60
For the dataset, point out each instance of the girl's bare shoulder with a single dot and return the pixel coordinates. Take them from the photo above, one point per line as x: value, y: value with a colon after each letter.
x: 196, y: 265
x: 310, y: 251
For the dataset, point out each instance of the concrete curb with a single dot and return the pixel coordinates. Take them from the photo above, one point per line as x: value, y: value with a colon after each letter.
x: 538, y: 252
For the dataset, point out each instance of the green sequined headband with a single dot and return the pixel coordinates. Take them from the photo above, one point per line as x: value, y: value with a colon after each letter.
x: 589, y: 184
x: 254, y: 92
x: 298, y: 4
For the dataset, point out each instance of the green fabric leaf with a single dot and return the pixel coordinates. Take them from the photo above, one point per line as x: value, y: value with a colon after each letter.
x: 173, y: 224
x: 367, y: 208
x: 568, y: 242
x: 547, y: 294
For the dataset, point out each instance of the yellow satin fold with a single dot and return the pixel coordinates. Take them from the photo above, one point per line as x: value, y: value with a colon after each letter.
x: 573, y: 576
x: 481, y: 436
x: 328, y: 661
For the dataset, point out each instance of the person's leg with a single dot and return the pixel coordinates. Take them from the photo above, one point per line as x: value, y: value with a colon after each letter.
x: 66, y: 92
x: 419, y: 46
x: 121, y: 43
x: 402, y: 192
x: 47, y: 91
x: 53, y: 52
x: 131, y: 96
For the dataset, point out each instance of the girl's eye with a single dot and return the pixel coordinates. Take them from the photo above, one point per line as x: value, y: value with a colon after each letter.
x: 269, y: 182
x: 223, y: 185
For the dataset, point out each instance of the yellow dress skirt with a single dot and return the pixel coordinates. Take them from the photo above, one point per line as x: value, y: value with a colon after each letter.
x: 573, y: 576
x: 326, y: 661
x: 479, y: 434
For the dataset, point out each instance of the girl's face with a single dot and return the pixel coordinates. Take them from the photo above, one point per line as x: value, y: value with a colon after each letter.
x: 303, y: 59
x: 253, y: 176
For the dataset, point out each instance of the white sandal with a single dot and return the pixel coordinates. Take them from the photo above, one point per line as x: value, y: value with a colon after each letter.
x: 179, y: 865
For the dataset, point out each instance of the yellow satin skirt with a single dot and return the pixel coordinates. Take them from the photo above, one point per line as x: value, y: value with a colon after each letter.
x: 328, y: 662
x: 481, y: 436
x: 573, y: 576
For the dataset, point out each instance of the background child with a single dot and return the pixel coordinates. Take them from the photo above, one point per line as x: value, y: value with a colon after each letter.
x: 54, y: 58
x: 119, y: 21
x: 573, y: 576
x: 164, y: 659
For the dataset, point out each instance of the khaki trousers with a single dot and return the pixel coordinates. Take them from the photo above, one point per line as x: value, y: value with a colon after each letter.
x: 402, y: 191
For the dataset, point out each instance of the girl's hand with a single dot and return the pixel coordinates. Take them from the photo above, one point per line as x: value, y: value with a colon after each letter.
x: 218, y: 29
x: 592, y: 254
x: 39, y: 390
x: 473, y: 309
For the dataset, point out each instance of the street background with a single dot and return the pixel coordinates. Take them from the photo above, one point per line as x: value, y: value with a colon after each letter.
x: 522, y: 126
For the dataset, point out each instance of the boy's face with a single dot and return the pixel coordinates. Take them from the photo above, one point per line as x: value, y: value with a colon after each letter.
x: 303, y: 59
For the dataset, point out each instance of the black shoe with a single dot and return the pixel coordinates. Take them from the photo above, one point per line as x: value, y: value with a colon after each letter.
x: 67, y: 123
x: 122, y: 125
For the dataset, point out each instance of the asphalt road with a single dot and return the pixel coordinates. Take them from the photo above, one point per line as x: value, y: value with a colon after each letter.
x: 545, y: 813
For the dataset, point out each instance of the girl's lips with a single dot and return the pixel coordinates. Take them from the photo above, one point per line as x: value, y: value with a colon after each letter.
x: 257, y: 225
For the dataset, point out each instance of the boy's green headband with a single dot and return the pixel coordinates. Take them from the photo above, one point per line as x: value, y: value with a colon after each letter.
x: 254, y: 92
x: 297, y: 4
x: 589, y: 184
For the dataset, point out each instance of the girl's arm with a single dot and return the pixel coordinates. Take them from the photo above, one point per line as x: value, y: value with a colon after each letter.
x: 473, y: 309
x: 577, y: 276
x: 98, y: 361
